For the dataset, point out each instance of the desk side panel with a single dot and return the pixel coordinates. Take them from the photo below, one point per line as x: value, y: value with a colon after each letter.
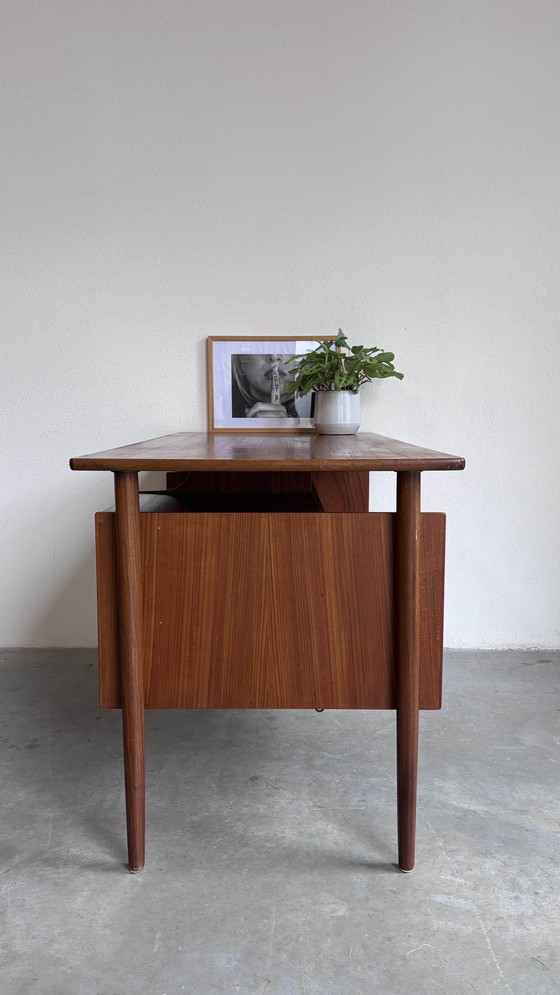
x: 270, y: 610
x: 342, y: 491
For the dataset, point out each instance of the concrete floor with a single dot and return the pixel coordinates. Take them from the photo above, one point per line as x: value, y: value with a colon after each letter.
x: 271, y: 843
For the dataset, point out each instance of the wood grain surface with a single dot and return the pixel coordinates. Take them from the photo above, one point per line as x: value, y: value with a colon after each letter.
x: 271, y: 610
x: 128, y: 569
x: 407, y: 644
x: 342, y: 491
x: 241, y: 452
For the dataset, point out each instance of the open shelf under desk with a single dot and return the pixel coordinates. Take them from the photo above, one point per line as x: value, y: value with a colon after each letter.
x: 167, y: 502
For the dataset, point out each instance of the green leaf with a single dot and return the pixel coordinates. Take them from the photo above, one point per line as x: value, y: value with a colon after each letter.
x: 335, y: 364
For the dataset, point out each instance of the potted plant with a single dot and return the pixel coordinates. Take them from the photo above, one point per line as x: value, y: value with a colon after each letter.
x: 336, y: 371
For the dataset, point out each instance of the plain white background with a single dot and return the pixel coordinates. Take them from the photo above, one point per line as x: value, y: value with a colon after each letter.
x: 177, y: 170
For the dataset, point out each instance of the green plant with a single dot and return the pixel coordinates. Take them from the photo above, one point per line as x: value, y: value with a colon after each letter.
x: 343, y: 367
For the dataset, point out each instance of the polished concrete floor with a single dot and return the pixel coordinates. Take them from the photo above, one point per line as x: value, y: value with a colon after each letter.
x: 271, y: 843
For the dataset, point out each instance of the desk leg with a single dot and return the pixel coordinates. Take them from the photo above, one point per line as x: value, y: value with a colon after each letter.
x: 407, y: 645
x: 129, y: 587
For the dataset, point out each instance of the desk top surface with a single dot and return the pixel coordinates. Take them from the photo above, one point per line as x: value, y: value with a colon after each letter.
x: 270, y: 452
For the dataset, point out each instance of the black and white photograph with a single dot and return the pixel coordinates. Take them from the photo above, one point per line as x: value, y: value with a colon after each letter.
x: 246, y: 385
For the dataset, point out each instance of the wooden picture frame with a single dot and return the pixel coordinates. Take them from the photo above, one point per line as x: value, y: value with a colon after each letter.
x: 245, y: 376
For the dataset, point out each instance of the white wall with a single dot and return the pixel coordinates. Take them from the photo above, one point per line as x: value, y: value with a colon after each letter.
x: 175, y: 170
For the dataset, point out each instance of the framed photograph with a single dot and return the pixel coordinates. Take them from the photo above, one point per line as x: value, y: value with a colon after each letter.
x: 245, y: 384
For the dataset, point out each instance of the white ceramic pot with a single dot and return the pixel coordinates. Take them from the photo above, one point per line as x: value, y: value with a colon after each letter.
x: 337, y: 412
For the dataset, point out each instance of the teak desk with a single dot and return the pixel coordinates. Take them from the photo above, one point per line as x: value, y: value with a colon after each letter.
x: 259, y: 579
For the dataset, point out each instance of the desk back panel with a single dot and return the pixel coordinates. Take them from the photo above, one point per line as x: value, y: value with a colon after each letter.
x: 284, y: 610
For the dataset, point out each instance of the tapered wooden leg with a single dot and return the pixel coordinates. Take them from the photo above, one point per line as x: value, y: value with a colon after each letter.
x: 129, y: 581
x: 407, y: 647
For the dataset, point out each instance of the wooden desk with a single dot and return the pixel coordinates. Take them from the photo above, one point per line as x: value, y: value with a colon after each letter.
x: 260, y: 580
